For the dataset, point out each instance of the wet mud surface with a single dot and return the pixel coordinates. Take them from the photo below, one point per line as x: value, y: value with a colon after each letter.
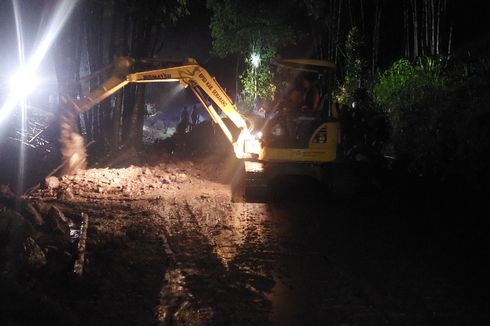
x: 167, y: 245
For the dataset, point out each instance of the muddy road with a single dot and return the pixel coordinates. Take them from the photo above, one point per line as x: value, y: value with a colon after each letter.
x: 167, y: 245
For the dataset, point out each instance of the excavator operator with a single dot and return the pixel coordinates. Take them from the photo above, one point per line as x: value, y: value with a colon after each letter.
x: 303, y: 96
x: 311, y: 95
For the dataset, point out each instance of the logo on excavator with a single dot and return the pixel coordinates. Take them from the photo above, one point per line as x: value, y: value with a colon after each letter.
x: 212, y: 90
x: 205, y: 81
x: 159, y: 76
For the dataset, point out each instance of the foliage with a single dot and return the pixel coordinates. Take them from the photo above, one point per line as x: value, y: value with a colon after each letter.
x: 364, y: 127
x: 392, y: 80
x: 258, y: 81
x: 439, y: 115
x: 149, y: 19
x: 354, y: 66
x: 244, y: 27
x: 410, y: 95
x: 403, y: 74
x: 237, y: 25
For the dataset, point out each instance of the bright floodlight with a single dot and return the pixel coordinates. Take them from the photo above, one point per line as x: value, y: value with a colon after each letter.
x: 23, y: 83
x: 255, y: 58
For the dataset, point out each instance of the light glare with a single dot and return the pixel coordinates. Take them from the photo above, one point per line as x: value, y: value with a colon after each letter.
x: 255, y: 58
x: 23, y: 83
x: 61, y: 14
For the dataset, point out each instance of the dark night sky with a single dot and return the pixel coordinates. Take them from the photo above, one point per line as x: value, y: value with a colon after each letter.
x: 472, y: 22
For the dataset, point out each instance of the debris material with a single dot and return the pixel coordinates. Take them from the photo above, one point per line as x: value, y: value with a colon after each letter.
x: 52, y: 182
x: 79, y: 263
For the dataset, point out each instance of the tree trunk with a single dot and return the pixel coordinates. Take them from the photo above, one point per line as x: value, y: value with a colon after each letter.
x: 449, y: 43
x: 67, y: 66
x: 363, y: 25
x: 337, y: 34
x: 426, y: 25
x: 406, y: 29
x: 93, y: 13
x: 128, y: 106
x: 116, y: 122
x: 135, y: 127
x: 376, y: 31
x: 432, y: 27
x: 237, y: 67
x: 415, y: 29
x: 438, y: 26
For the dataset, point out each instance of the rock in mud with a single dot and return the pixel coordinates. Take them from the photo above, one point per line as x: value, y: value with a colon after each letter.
x: 42, y: 207
x: 52, y: 182
x: 57, y: 221
x: 181, y: 178
x: 66, y: 194
x: 32, y: 215
x: 33, y: 254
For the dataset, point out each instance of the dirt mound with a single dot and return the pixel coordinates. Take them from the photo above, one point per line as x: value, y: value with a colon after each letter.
x: 203, y: 139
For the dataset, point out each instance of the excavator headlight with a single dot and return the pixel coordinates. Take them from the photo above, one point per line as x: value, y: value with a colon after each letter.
x: 278, y: 130
x: 183, y: 83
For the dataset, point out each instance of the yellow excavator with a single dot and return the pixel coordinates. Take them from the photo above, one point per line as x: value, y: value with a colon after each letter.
x: 288, y: 143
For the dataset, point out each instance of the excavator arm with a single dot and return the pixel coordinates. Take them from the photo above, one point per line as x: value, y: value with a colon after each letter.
x: 191, y: 75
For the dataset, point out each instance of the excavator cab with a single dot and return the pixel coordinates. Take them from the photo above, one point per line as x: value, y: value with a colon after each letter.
x: 298, y: 129
x: 297, y: 138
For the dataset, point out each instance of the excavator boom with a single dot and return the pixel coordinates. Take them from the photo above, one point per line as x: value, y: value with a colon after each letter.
x: 190, y: 74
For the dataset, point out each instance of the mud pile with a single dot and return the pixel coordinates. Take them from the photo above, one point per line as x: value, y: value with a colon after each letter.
x: 131, y: 183
x: 138, y: 218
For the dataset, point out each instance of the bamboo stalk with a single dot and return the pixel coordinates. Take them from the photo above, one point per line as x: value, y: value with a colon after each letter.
x: 433, y: 17
x: 415, y: 29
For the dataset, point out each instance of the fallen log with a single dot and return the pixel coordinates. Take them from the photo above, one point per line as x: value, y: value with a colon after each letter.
x: 79, y: 263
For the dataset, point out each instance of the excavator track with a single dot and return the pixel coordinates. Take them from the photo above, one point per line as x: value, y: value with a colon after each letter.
x: 255, y: 184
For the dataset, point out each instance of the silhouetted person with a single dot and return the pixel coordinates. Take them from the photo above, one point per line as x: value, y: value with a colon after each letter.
x: 311, y: 95
x: 293, y: 98
x: 184, y: 121
x: 194, y: 117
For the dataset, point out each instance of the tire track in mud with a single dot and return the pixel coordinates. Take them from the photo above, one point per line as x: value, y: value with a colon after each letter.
x: 121, y: 285
x: 221, y: 268
x: 179, y: 252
